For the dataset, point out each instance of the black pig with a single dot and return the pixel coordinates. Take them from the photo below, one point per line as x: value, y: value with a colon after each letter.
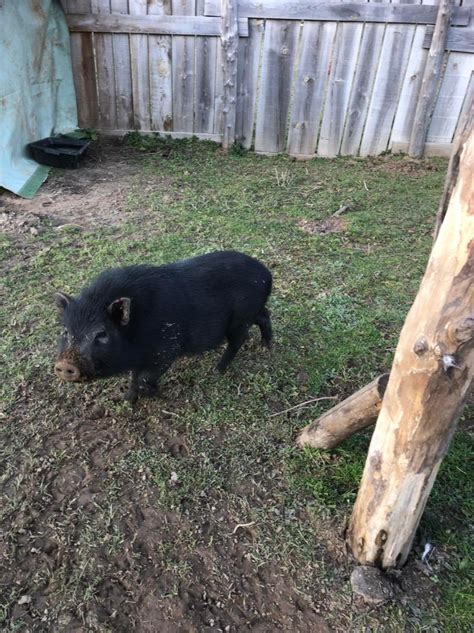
x: 142, y: 318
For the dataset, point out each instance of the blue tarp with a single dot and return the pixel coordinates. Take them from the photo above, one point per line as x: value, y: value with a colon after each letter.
x: 37, y: 97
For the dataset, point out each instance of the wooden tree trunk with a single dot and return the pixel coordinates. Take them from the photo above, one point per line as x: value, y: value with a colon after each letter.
x: 230, y: 46
x: 429, y: 83
x: 431, y: 375
x: 346, y: 418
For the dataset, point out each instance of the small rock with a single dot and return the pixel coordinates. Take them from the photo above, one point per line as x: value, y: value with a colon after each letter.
x: 69, y: 227
x: 96, y: 412
x: 24, y: 600
x: 174, y: 478
x: 371, y: 584
x: 34, y: 231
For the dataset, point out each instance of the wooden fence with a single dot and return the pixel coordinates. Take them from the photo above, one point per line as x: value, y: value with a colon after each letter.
x: 313, y: 78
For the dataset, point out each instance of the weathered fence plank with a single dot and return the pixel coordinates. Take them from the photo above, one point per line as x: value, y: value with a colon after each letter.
x: 339, y: 88
x: 140, y: 71
x: 366, y: 69
x: 388, y: 83
x: 183, y: 72
x: 82, y: 56
x: 275, y: 85
x: 403, y: 122
x: 459, y: 40
x: 450, y: 98
x: 122, y: 71
x: 310, y: 88
x: 205, y: 80
x: 205, y: 84
x: 430, y: 81
x: 347, y: 12
x: 104, y: 59
x: 159, y: 60
x: 147, y: 24
x: 247, y: 78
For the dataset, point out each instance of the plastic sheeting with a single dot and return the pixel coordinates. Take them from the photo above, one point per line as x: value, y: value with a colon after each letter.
x: 37, y: 97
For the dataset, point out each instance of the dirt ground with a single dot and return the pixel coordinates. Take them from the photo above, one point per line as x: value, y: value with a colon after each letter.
x: 183, y: 566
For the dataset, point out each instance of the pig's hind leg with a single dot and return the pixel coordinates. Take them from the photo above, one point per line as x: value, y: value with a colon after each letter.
x: 235, y: 339
x: 264, y: 323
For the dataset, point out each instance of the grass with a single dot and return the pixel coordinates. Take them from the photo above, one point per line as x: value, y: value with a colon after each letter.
x: 338, y: 305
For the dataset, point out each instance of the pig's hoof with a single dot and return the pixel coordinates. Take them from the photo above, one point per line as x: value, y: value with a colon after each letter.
x: 131, y: 395
x: 149, y: 391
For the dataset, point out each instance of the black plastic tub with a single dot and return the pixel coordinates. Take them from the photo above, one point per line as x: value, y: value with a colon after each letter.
x: 61, y: 151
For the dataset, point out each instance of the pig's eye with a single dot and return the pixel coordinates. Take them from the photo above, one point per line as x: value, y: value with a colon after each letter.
x: 101, y: 337
x: 65, y: 332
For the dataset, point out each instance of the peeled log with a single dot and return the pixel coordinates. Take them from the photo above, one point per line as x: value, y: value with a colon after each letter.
x: 346, y: 418
x: 429, y: 382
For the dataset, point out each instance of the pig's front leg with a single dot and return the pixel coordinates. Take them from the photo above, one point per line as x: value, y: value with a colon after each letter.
x: 142, y: 383
x: 131, y: 395
x: 146, y: 382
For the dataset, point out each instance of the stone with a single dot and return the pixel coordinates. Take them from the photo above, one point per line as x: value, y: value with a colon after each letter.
x: 371, y: 584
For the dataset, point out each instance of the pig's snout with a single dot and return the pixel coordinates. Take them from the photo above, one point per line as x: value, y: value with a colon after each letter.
x: 65, y: 370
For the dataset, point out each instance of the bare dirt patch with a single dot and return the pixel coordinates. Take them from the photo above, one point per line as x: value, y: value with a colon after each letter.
x: 332, y: 224
x: 405, y: 165
x: 96, y: 195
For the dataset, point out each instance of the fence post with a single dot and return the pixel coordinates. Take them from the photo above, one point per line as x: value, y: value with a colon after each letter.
x: 429, y: 84
x: 230, y: 45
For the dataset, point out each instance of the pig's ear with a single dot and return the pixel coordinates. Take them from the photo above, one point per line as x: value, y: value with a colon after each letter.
x: 62, y: 300
x: 119, y: 310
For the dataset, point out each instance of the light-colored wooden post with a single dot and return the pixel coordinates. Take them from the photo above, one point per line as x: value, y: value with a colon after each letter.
x: 430, y: 379
x: 230, y: 46
x: 346, y: 418
x: 429, y: 83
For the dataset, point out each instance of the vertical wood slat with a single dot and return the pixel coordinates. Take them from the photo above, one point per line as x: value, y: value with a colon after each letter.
x: 205, y: 84
x: 455, y: 91
x: 310, y: 87
x: 205, y: 80
x: 122, y: 71
x: 247, y: 78
x: 403, y: 122
x: 430, y: 81
x: 159, y: 64
x: 369, y: 54
x: 219, y: 91
x: 450, y: 98
x: 83, y: 64
x: 140, y: 71
x: 104, y: 54
x: 339, y: 88
x: 183, y: 48
x: 279, y: 46
x: 230, y: 47
x: 388, y: 82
